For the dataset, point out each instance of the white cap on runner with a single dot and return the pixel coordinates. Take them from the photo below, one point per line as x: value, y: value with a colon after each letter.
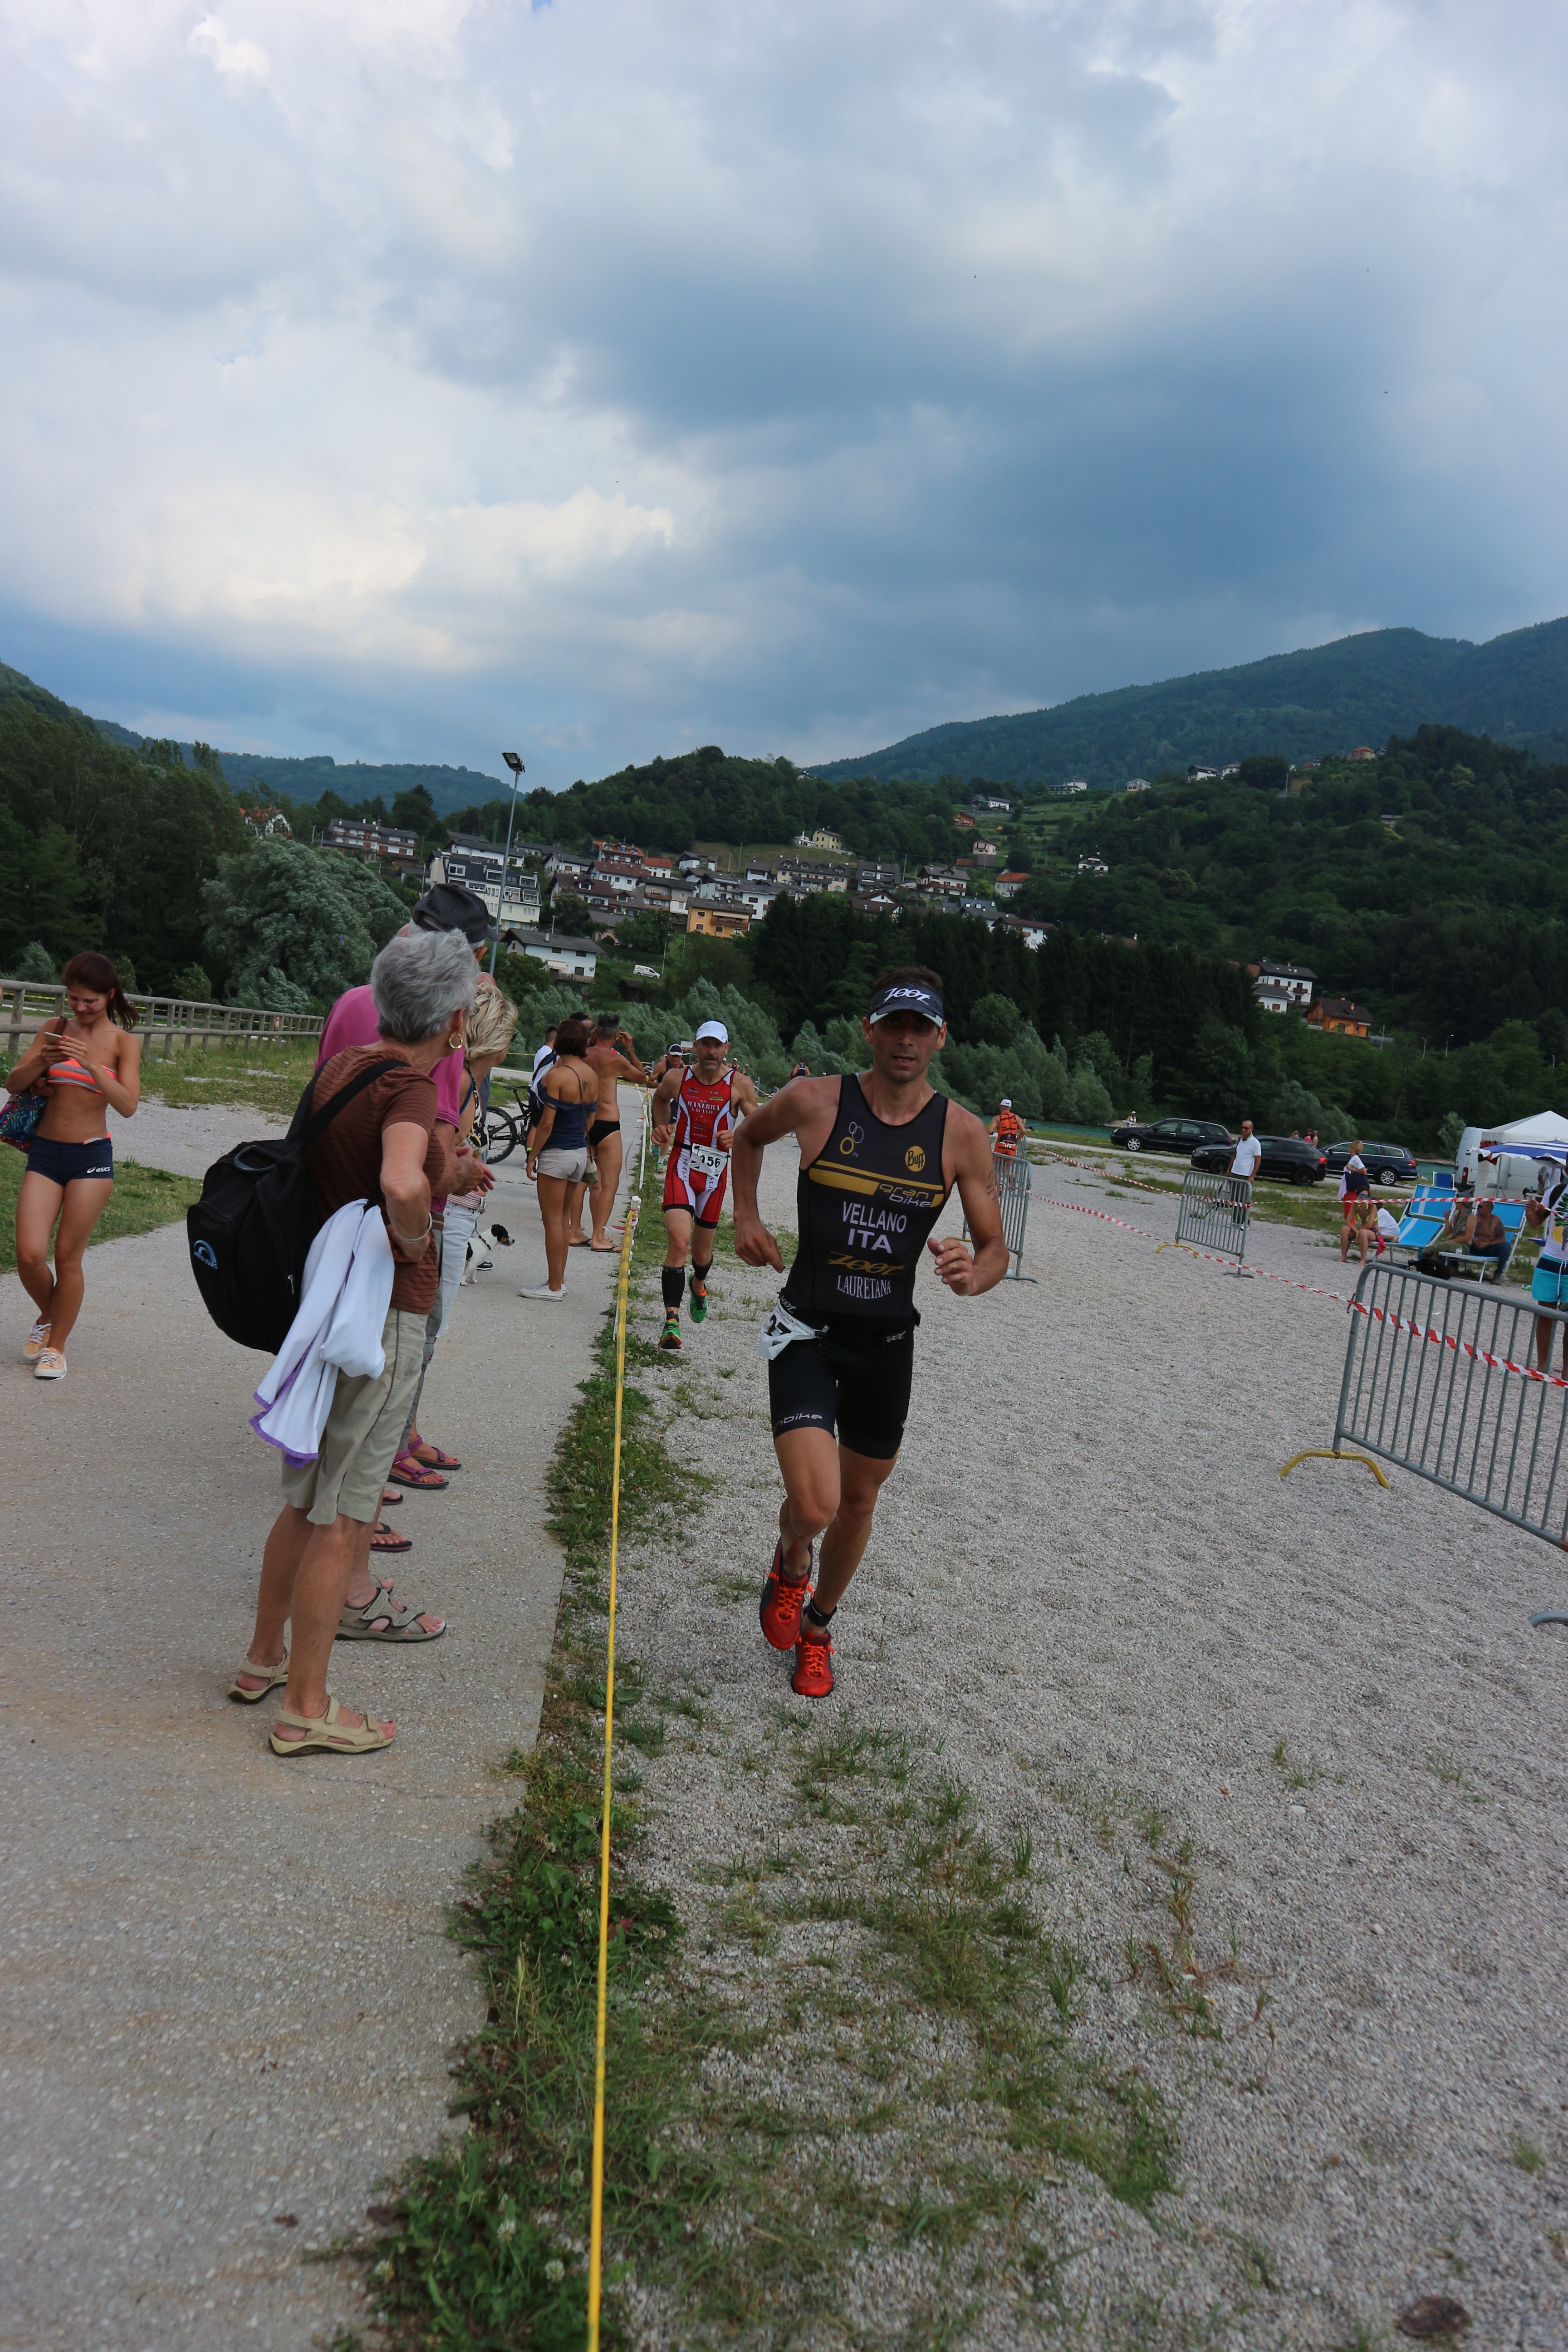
x: 713, y: 1029
x: 1006, y: 1102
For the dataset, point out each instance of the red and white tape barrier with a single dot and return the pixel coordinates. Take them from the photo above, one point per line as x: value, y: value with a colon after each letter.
x: 1316, y: 1290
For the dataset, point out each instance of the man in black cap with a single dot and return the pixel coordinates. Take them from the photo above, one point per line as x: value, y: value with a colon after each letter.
x: 879, y: 1154
x: 449, y: 907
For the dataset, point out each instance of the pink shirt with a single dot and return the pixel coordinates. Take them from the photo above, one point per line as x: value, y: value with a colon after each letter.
x: 352, y: 1021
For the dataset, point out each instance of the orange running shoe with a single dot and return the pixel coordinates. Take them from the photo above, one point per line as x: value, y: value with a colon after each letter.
x: 812, y: 1675
x: 782, y: 1602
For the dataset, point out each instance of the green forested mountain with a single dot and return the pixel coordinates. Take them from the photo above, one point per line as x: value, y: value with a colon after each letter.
x: 707, y: 795
x: 1432, y: 883
x: 1359, y: 689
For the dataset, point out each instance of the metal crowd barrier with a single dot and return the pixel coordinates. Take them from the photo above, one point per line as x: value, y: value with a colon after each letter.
x: 27, y: 1005
x: 1215, y: 1214
x: 1440, y: 1378
x: 1010, y: 1174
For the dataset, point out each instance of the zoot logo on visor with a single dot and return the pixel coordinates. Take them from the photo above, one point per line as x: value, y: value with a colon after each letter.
x: 907, y: 996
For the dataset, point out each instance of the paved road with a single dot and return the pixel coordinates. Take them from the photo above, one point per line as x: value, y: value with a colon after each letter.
x: 230, y: 1993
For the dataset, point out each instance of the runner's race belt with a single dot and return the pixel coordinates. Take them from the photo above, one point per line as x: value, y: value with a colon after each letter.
x: 782, y: 1327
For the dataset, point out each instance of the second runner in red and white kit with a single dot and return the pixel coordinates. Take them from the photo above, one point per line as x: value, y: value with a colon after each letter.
x: 705, y: 1105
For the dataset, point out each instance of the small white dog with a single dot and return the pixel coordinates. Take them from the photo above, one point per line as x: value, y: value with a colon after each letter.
x: 481, y: 1242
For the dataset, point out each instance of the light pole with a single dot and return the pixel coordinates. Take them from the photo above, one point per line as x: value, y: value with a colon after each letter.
x: 515, y: 764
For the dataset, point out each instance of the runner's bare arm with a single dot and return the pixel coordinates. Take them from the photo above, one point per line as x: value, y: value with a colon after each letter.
x: 806, y: 1107
x: 668, y: 1086
x: 968, y: 1274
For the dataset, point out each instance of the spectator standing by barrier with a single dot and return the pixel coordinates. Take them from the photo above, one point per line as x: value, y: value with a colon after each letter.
x: 1549, y: 1283
x: 558, y: 1150
x: 1355, y: 1203
x: 352, y: 1022
x: 1005, y: 1129
x: 489, y: 1033
x: 1244, y: 1166
x: 83, y: 1068
x: 612, y: 1056
x: 315, y: 1570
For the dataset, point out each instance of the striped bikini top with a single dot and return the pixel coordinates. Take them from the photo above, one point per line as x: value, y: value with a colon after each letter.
x: 72, y: 1073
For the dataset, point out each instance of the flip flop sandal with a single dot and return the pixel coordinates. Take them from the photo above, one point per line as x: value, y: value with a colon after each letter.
x: 326, y: 1731
x: 389, y: 1501
x: 406, y: 1472
x: 382, y: 1539
x: 271, y: 1677
x: 441, y: 1462
x: 383, y: 1620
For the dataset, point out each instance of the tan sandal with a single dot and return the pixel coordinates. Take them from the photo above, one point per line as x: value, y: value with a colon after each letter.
x: 271, y: 1676
x: 382, y: 1619
x: 326, y: 1731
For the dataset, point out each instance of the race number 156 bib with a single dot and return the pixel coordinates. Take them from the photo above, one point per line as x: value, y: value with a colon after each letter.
x: 708, y: 1159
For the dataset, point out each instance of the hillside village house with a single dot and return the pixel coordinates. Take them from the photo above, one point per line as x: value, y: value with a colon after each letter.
x: 1292, y: 981
x: 820, y: 839
x: 1339, y: 1015
x: 945, y: 881
x: 731, y: 922
x: 1138, y: 784
x: 877, y: 874
x: 1008, y: 885
x: 991, y: 804
x: 268, y: 824
x: 1363, y: 751
x: 1078, y: 784
x: 1091, y: 862
x: 375, y: 845
x: 567, y: 958
x: 962, y: 818
x: 477, y: 864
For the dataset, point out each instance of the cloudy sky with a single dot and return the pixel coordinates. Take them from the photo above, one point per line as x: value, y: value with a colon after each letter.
x: 413, y: 379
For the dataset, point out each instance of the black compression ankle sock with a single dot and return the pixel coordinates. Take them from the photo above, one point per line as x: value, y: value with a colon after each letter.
x: 820, y: 1618
x: 699, y: 1273
x: 674, y: 1288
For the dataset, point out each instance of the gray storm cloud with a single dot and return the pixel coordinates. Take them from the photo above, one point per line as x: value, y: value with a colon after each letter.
x: 620, y: 375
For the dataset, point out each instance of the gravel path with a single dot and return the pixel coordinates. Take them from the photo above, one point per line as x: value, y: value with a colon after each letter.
x: 230, y: 1995
x: 1090, y: 1592
x: 187, y: 1141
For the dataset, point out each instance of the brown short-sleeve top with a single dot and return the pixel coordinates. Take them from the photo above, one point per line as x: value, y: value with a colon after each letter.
x: 344, y: 1163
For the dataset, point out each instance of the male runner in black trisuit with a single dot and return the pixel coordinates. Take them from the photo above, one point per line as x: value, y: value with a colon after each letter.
x: 878, y: 1156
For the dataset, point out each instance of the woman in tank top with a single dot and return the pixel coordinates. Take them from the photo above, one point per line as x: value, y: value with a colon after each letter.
x: 83, y: 1067
x: 558, y: 1150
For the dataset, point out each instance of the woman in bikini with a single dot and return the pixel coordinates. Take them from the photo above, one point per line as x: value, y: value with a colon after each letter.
x: 558, y: 1150
x: 84, y: 1066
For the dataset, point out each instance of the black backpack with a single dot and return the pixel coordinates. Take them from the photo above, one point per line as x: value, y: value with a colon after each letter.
x: 251, y: 1231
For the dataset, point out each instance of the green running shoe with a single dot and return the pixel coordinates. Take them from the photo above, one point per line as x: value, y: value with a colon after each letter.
x: 669, y: 1338
x: 699, y: 1299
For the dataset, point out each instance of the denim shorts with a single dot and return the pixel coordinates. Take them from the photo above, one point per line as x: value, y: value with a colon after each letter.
x: 70, y: 1163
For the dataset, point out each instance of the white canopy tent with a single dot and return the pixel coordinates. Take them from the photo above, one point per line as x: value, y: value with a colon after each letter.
x: 1511, y: 1174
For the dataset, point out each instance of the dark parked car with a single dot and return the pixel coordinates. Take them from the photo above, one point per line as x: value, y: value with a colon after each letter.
x: 1387, y: 1163
x: 1285, y: 1157
x: 1169, y: 1135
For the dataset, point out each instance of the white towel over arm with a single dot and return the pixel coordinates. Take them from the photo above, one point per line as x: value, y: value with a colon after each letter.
x: 347, y: 1293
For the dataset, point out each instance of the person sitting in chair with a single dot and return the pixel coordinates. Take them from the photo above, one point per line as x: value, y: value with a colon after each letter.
x: 1437, y: 1257
x: 1488, y: 1236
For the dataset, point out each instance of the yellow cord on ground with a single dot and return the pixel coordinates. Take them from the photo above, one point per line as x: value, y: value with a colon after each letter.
x: 596, y: 2229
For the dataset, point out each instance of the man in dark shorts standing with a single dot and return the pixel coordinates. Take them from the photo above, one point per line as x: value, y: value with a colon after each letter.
x: 612, y: 1056
x: 878, y: 1156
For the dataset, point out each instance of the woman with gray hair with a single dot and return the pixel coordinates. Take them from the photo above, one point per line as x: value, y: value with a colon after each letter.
x: 315, y: 1570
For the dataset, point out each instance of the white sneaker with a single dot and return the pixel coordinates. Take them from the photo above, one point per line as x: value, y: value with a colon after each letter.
x: 50, y: 1366
x: 37, y: 1341
x: 543, y: 1290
